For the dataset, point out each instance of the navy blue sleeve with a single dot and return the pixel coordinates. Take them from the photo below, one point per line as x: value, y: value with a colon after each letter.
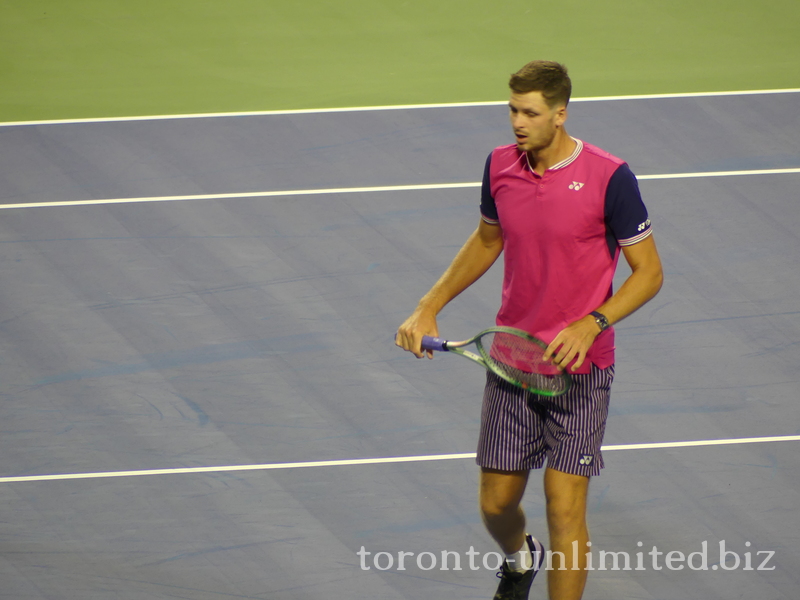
x: 488, y: 207
x: 625, y: 213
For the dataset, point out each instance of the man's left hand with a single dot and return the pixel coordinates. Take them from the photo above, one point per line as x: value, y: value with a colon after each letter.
x: 572, y: 343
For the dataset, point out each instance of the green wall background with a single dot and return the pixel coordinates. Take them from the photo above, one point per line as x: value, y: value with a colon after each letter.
x: 103, y: 58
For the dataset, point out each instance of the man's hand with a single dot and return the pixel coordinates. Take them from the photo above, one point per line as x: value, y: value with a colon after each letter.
x: 409, y: 334
x: 573, y: 342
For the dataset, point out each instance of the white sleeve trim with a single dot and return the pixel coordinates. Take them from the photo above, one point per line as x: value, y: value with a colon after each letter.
x: 636, y: 239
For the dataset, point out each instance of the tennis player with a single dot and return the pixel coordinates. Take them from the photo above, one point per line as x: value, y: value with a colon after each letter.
x: 562, y: 211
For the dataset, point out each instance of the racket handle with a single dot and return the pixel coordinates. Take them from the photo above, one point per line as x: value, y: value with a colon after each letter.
x: 434, y: 343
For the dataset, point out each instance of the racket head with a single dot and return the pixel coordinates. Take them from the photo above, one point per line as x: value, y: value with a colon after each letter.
x: 518, y: 357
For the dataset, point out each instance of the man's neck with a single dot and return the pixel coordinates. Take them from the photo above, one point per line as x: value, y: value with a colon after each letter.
x: 561, y: 149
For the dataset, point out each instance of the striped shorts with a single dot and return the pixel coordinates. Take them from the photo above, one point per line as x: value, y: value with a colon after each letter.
x: 519, y: 430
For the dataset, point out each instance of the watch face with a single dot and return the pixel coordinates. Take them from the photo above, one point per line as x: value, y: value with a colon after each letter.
x: 601, y: 320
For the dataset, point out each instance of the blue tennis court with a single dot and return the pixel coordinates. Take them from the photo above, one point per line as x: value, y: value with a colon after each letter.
x: 198, y: 374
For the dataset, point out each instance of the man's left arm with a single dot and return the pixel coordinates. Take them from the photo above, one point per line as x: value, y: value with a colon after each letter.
x: 643, y: 283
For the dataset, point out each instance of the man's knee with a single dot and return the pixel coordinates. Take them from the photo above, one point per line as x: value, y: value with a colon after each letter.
x: 565, y: 517
x: 495, y: 506
x: 501, y: 492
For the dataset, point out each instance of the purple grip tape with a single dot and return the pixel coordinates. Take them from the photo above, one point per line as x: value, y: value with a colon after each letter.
x: 433, y: 343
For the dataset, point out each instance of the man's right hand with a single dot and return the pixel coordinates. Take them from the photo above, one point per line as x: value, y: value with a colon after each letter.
x: 409, y: 334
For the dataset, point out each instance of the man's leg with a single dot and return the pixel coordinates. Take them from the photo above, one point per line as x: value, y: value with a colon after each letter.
x: 566, y: 519
x: 500, y: 497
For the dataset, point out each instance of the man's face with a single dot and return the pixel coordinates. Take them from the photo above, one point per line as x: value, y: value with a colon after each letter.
x: 534, y: 123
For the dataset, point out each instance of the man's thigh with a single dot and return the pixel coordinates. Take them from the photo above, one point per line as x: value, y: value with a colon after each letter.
x: 500, y: 490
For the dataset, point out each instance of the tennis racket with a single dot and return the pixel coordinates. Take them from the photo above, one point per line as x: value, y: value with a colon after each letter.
x: 513, y: 355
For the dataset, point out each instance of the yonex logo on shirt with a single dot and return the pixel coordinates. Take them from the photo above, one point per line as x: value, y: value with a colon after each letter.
x: 643, y: 226
x: 586, y: 459
x: 576, y: 185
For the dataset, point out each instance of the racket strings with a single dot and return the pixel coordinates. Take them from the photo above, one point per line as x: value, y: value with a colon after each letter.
x: 521, y: 359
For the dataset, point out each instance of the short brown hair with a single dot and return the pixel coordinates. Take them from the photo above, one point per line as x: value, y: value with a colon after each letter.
x: 545, y: 76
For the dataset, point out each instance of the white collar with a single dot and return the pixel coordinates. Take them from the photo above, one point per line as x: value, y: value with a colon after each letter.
x: 567, y: 161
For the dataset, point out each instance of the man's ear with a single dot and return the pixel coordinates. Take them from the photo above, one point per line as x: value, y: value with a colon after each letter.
x: 561, y: 115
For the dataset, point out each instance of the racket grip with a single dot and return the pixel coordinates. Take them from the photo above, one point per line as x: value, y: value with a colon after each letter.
x: 434, y: 343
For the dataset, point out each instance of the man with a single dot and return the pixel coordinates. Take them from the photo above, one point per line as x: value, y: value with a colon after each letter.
x: 562, y: 210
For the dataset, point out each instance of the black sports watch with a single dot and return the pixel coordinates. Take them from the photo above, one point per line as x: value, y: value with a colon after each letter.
x: 601, y: 320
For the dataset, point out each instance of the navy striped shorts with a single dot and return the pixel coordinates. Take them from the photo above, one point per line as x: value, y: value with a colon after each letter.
x: 519, y: 430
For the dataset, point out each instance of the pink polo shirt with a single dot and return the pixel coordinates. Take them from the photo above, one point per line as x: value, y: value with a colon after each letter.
x: 562, y: 233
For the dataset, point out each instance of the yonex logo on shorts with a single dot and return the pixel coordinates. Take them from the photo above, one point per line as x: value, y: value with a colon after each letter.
x: 576, y: 185
x: 586, y: 459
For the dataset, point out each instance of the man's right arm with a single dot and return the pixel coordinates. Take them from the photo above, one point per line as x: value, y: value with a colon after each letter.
x: 475, y: 257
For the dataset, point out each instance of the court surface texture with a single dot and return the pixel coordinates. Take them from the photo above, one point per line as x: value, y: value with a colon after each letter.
x: 198, y: 375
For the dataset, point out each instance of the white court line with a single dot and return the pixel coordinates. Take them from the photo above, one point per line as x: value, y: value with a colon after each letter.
x: 361, y: 190
x: 719, y: 174
x: 375, y: 461
x: 307, y: 111
x: 283, y: 193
